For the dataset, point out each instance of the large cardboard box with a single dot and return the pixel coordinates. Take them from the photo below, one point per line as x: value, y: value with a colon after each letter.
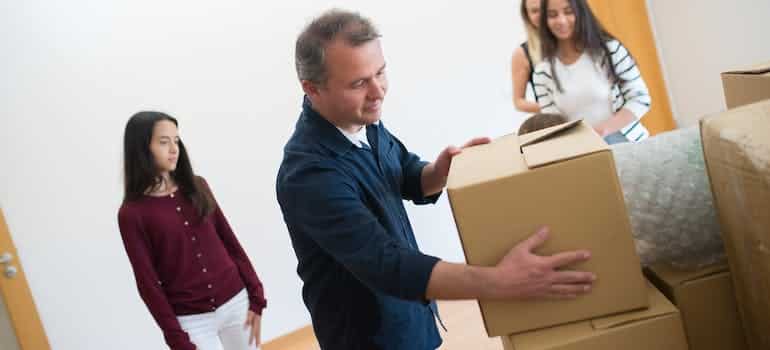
x: 736, y: 146
x: 658, y: 327
x: 748, y: 85
x: 563, y: 177
x: 706, y: 302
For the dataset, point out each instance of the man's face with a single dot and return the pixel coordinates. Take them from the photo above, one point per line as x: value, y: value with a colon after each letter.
x: 355, y: 88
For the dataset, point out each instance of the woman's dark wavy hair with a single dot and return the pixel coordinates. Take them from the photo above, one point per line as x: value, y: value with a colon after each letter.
x: 141, y: 175
x: 589, y: 35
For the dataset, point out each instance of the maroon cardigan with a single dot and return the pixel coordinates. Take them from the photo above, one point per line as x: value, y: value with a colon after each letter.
x: 184, y: 265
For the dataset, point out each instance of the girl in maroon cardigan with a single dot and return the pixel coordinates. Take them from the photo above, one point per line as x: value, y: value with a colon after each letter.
x: 190, y: 270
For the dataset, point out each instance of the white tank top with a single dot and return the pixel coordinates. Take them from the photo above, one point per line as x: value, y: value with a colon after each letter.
x: 587, y: 90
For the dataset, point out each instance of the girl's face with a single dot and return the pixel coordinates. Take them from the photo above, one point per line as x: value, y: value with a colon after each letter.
x: 164, y: 146
x: 561, y: 19
x: 533, y: 12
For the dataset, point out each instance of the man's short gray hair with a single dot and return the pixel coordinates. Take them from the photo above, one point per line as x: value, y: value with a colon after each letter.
x: 309, y: 56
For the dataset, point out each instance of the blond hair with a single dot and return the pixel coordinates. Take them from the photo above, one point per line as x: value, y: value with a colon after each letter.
x: 533, y: 44
x: 533, y: 36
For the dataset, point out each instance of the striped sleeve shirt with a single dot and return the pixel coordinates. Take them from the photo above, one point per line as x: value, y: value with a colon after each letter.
x: 629, y: 93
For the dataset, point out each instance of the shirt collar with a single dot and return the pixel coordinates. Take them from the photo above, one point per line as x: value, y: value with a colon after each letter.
x: 358, y: 138
x: 330, y: 135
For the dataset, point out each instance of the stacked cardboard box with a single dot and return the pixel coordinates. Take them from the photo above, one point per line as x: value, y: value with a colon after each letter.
x: 747, y: 85
x: 563, y: 177
x: 736, y: 145
x: 657, y: 327
x: 706, y: 302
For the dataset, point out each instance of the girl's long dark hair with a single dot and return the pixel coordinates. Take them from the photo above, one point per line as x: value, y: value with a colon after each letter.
x: 142, y: 176
x: 589, y: 36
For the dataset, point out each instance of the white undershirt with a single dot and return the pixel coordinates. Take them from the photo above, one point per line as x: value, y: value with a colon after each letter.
x: 358, y: 138
x: 587, y: 91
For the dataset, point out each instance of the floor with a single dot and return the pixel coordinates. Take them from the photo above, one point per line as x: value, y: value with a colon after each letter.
x: 461, y: 318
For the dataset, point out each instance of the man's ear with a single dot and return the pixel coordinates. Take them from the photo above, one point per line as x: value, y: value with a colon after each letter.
x: 310, y: 88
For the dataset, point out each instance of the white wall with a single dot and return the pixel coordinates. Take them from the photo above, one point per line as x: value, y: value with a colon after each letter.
x: 700, y: 39
x: 74, y: 71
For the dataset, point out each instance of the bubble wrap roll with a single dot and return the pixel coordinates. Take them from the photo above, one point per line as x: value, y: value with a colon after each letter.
x: 669, y: 200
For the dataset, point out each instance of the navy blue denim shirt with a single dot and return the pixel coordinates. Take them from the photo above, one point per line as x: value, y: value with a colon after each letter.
x: 364, y: 277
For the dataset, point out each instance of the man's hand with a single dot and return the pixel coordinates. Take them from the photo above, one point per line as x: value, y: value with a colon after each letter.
x: 434, y: 175
x: 520, y: 275
x: 524, y: 275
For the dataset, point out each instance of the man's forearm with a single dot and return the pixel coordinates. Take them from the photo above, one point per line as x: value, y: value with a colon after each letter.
x: 431, y: 182
x: 460, y: 281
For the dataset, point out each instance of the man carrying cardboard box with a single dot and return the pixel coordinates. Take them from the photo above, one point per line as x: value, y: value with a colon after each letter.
x: 341, y: 186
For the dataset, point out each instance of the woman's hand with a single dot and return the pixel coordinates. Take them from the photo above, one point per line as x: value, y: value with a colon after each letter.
x: 621, y: 119
x: 600, y: 130
x: 253, y: 324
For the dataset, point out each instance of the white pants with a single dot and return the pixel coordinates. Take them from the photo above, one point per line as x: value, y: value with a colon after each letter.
x: 222, y: 329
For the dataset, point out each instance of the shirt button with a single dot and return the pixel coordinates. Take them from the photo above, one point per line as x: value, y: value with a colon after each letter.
x: 210, y: 286
x: 204, y: 269
x: 186, y: 223
x: 178, y: 208
x: 171, y: 195
x: 193, y: 238
x: 212, y: 300
x: 213, y: 308
x: 199, y: 255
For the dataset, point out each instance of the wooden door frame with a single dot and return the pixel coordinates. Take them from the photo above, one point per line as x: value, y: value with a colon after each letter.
x: 18, y: 298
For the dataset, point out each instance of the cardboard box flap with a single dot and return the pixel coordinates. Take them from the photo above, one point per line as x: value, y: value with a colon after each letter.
x: 762, y: 68
x: 482, y: 163
x: 540, y: 135
x: 677, y: 277
x: 550, y: 338
x: 561, y: 142
x: 659, y: 306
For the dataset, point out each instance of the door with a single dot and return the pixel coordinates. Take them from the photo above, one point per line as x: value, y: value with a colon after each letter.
x: 20, y: 326
x: 628, y: 21
x: 8, y: 339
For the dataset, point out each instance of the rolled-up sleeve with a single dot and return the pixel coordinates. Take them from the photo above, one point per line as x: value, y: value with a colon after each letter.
x: 636, y: 96
x: 411, y: 167
x: 324, y: 203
